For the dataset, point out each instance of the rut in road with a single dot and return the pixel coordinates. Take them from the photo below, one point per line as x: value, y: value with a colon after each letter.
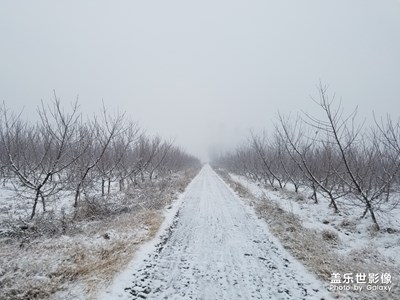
x: 217, y: 248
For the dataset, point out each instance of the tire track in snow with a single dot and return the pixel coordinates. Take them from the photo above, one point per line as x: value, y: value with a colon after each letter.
x: 217, y: 248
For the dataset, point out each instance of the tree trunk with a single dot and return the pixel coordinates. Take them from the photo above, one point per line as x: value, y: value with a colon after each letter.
x: 77, y: 194
x: 314, y: 196
x: 43, y: 201
x: 102, y: 186
x: 371, y: 211
x: 35, y: 201
x: 333, y: 204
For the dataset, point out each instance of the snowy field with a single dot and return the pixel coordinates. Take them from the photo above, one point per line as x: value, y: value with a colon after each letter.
x: 346, y: 244
x: 354, y: 233
x: 211, y: 243
x: 215, y: 248
x: 60, y: 257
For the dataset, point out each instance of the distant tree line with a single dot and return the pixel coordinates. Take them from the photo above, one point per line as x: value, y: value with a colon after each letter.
x: 335, y: 156
x: 64, y: 151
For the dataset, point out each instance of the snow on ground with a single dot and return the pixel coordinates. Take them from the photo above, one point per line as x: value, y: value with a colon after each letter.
x: 354, y: 233
x: 16, y: 204
x: 117, y: 289
x: 9, y: 207
x: 46, y: 260
x: 216, y: 248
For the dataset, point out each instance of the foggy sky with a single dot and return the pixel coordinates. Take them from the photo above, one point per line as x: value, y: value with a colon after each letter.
x: 202, y: 72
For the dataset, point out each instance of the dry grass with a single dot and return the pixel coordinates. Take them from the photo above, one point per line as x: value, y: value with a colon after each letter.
x: 317, y: 249
x: 93, y: 258
x: 74, y: 266
x: 330, y: 236
x: 106, y: 261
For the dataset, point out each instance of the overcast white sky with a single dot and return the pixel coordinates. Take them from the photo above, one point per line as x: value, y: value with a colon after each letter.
x: 202, y: 72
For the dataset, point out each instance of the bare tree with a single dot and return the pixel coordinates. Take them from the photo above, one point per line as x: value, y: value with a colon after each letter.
x: 110, y: 163
x: 268, y: 157
x: 302, y: 147
x: 99, y: 136
x: 358, y: 153
x: 37, y: 153
x: 290, y: 170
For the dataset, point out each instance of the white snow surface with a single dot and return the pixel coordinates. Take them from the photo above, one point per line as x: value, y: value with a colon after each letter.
x: 313, y: 216
x: 214, y: 248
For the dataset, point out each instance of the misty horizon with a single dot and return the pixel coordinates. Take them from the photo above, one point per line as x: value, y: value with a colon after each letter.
x: 202, y: 75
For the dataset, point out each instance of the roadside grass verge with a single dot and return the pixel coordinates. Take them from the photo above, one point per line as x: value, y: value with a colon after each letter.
x: 72, y: 263
x: 317, y: 249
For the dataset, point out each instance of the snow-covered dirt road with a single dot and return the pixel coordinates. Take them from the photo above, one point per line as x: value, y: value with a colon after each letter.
x: 217, y: 248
